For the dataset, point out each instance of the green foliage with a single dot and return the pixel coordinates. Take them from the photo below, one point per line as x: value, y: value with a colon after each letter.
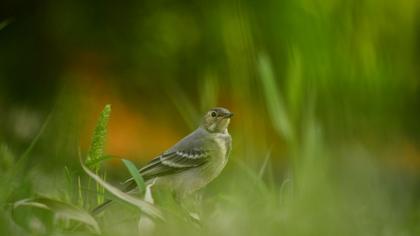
x: 95, y: 154
x: 325, y: 137
x: 97, y: 161
x: 7, y: 162
x: 275, y: 104
x: 145, y: 207
x: 60, y: 209
x: 96, y: 150
x: 135, y: 175
x: 12, y: 169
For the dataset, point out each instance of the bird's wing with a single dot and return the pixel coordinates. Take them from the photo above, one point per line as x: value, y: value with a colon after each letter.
x: 175, y: 161
x: 191, y: 151
x: 172, y: 162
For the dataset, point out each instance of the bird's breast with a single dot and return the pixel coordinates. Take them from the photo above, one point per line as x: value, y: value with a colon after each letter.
x: 219, y: 154
x: 222, y: 142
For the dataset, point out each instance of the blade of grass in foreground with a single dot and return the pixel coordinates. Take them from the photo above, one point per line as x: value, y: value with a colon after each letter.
x: 61, y: 210
x: 136, y: 175
x: 145, y: 207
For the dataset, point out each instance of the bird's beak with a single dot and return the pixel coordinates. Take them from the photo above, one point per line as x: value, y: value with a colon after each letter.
x: 228, y: 115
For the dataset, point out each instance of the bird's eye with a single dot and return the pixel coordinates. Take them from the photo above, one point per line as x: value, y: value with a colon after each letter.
x: 213, y: 114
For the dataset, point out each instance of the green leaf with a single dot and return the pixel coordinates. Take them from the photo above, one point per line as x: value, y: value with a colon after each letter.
x: 145, y: 207
x: 61, y: 210
x: 97, y: 146
x: 136, y: 175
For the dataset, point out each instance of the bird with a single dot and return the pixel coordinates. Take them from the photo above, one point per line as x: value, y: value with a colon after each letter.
x: 193, y: 162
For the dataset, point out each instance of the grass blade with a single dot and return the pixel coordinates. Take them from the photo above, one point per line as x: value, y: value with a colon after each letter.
x: 33, y: 142
x: 9, y: 182
x: 264, y: 165
x: 135, y: 174
x: 145, y: 207
x: 275, y: 103
x: 61, y: 210
x: 259, y: 183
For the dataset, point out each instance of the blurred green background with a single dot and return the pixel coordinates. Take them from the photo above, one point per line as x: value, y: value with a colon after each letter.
x: 325, y: 94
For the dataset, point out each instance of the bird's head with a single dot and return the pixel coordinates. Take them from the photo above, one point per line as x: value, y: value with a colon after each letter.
x: 216, y: 120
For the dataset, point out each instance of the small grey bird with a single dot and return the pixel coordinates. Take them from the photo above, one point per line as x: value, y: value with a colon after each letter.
x: 193, y: 162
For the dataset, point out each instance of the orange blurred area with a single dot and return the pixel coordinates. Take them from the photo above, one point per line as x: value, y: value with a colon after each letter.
x: 405, y: 156
x: 130, y: 134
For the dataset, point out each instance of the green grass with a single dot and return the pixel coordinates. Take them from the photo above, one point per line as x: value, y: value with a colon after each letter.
x: 350, y: 199
x: 324, y: 96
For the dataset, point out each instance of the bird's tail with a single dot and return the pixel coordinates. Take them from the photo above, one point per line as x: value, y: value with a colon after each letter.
x: 98, y: 209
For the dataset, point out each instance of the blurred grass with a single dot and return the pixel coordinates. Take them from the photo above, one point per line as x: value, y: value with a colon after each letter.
x: 325, y: 96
